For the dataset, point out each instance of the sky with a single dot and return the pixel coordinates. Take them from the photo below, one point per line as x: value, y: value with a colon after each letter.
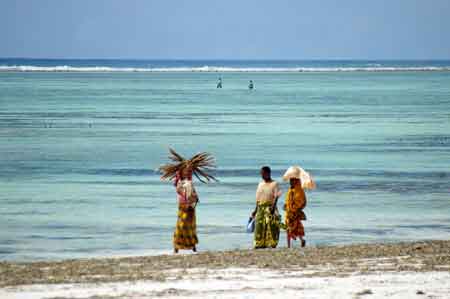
x: 227, y: 29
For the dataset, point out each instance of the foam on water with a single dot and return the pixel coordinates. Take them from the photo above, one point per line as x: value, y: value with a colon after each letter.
x: 218, y: 69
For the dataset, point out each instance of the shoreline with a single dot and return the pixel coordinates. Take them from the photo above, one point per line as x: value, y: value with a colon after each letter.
x: 398, y: 270
x: 338, y: 260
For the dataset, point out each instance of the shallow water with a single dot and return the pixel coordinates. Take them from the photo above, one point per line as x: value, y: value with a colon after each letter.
x: 78, y: 153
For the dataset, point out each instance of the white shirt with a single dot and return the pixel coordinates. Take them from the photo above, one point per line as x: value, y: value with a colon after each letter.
x: 267, y: 192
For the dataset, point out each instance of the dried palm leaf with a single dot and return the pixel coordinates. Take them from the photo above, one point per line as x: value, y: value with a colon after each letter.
x: 201, y: 164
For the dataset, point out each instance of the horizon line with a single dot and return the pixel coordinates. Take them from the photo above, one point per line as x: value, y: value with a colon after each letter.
x: 235, y: 59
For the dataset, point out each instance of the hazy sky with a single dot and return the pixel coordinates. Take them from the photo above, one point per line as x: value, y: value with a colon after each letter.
x: 229, y: 29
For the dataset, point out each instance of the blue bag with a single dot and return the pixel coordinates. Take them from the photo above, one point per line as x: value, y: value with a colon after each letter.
x: 251, y: 225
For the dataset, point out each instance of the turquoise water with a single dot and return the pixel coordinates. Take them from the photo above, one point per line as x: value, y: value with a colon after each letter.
x: 78, y: 153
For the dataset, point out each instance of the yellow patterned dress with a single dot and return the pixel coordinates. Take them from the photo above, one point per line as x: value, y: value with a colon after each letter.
x: 295, y: 203
x: 185, y: 236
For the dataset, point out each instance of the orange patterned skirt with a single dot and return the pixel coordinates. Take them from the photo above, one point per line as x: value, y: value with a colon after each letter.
x: 294, y: 226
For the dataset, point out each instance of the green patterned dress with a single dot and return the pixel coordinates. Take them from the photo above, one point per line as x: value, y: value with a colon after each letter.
x: 267, y: 227
x: 267, y: 224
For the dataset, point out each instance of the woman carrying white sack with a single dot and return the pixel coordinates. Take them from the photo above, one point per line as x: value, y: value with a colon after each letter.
x: 295, y: 202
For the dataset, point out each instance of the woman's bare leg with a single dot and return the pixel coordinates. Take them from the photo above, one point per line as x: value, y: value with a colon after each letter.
x: 288, y: 241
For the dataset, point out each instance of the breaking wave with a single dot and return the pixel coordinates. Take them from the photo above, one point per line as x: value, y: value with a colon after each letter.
x: 221, y: 69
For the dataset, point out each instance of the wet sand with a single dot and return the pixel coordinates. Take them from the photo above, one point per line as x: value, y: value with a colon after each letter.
x: 322, y: 261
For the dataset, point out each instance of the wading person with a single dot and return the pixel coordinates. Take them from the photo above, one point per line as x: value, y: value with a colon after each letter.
x: 267, y: 218
x: 295, y: 203
x: 181, y: 171
x: 251, y: 85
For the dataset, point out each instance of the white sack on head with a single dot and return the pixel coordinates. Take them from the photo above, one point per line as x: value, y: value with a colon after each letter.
x: 299, y: 173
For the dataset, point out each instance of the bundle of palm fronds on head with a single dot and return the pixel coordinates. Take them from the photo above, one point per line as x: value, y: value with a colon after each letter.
x: 201, y: 165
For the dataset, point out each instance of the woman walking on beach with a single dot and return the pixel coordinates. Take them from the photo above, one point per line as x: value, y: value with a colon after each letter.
x: 185, y: 235
x: 267, y: 218
x: 295, y: 203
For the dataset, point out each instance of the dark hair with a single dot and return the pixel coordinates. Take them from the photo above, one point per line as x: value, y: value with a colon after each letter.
x: 266, y: 169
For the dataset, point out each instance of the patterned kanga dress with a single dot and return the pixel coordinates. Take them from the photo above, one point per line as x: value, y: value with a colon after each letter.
x: 267, y: 225
x: 185, y: 236
x: 295, y: 203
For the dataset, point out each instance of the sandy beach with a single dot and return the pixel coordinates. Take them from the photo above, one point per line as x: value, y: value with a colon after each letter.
x: 400, y: 270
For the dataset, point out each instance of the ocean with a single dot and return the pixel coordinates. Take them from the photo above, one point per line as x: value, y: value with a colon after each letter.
x: 80, y: 142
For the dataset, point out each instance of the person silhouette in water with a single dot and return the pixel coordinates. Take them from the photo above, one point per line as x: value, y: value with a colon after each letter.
x: 250, y: 85
x: 219, y: 83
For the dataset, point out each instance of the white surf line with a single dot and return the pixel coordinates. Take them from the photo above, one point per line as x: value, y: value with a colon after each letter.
x: 251, y: 283
x: 215, y: 69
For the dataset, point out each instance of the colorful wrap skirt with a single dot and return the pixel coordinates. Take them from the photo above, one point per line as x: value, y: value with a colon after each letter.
x: 295, y: 202
x: 185, y: 236
x: 294, y: 226
x: 267, y: 227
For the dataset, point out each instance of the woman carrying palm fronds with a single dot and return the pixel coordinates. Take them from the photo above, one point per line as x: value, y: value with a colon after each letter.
x: 181, y: 171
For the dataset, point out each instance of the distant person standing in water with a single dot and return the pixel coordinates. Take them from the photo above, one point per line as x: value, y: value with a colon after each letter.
x: 219, y: 83
x: 250, y: 85
x: 267, y: 218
